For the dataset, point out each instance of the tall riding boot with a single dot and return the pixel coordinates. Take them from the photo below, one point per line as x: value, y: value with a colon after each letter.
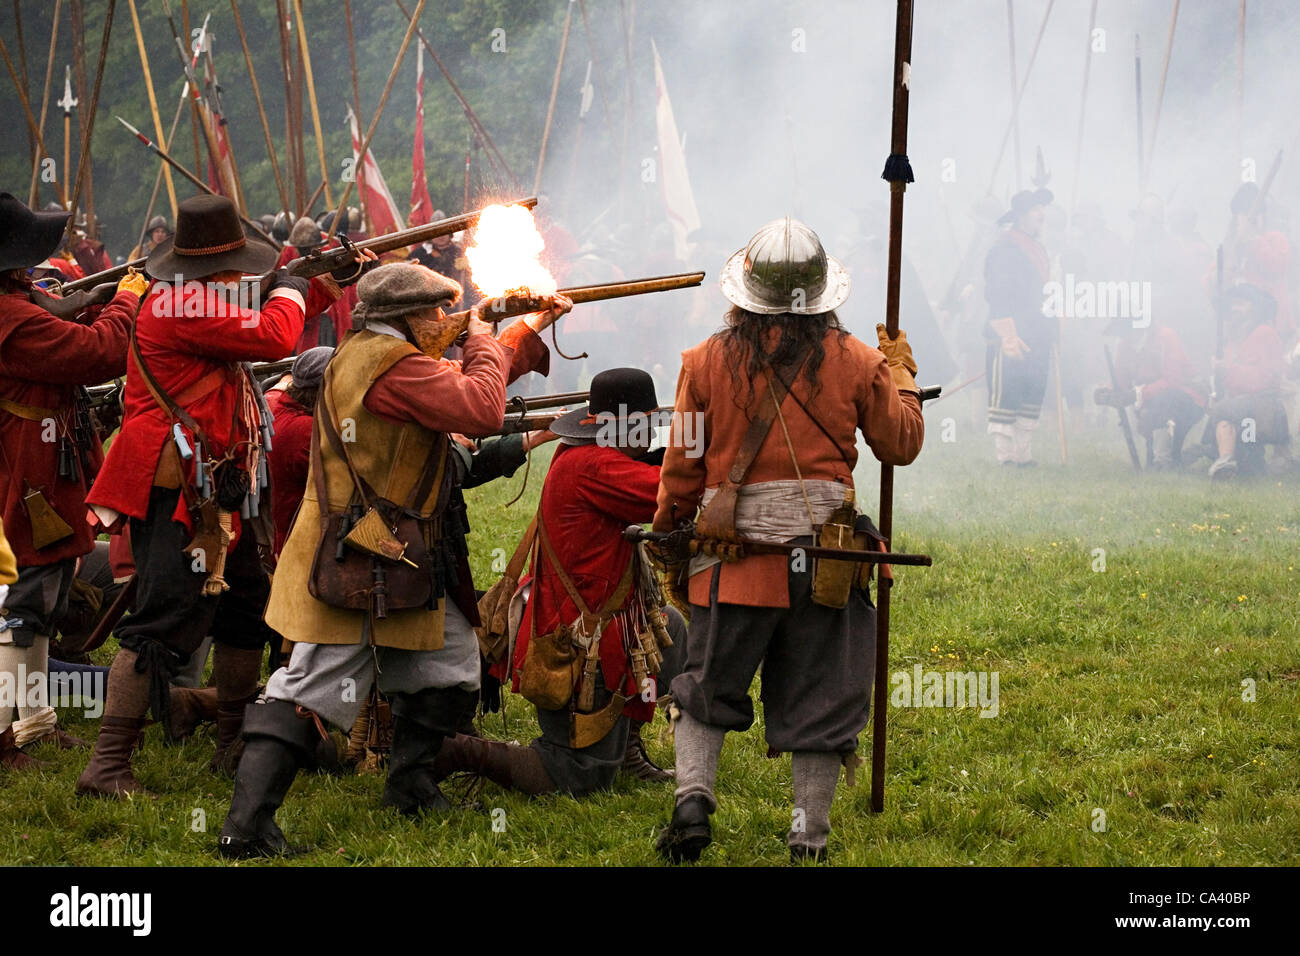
x: 236, y: 671
x: 421, y: 722
x: 191, y: 706
x: 637, y: 763
x: 109, y: 772
x: 277, y: 741
x: 507, y: 765
x: 13, y: 758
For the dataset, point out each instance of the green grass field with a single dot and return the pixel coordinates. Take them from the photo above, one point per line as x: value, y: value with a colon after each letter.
x: 1120, y: 691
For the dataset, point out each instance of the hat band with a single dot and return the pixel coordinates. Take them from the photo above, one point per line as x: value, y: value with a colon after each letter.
x: 210, y: 250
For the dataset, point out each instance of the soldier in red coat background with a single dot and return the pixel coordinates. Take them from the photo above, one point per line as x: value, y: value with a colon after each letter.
x: 48, y: 450
x: 191, y: 445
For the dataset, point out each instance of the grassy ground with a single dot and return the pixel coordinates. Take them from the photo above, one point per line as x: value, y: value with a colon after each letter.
x: 1120, y: 691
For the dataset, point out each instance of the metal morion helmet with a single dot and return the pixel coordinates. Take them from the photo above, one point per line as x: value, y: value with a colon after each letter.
x: 284, y: 221
x: 784, y: 269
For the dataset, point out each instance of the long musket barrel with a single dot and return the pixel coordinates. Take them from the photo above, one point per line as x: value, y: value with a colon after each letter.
x: 506, y: 306
x: 318, y: 262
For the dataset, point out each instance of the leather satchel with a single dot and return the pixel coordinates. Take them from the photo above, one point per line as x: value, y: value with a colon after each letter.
x: 355, y: 568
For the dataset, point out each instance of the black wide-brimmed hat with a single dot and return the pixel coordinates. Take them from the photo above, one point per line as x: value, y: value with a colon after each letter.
x: 1024, y: 201
x: 209, y: 238
x: 27, y: 237
x: 616, y: 394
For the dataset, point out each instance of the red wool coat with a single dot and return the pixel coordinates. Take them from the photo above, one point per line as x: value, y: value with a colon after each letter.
x: 42, y: 360
x: 195, y: 354
x: 591, y: 494
x: 288, y: 460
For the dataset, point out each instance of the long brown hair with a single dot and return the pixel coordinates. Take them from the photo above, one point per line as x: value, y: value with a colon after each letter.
x: 747, y: 334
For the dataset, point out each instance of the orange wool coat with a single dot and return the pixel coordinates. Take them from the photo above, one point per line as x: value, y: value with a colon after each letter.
x: 855, y: 390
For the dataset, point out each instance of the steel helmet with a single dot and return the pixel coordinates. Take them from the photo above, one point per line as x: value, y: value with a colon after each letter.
x: 784, y: 269
x: 284, y: 221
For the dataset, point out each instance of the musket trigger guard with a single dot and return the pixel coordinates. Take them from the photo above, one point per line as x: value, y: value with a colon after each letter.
x: 350, y: 246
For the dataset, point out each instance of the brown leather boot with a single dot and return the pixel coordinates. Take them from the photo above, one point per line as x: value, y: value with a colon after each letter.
x: 637, y: 763
x: 236, y: 671
x: 13, y: 758
x: 507, y: 765
x: 63, y: 740
x: 109, y: 773
x: 230, y: 747
x: 190, y: 706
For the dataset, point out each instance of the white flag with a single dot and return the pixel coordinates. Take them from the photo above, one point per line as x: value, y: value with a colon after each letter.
x: 673, y: 180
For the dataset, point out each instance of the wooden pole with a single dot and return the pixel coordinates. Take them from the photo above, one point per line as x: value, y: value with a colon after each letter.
x: 379, y: 111
x: 22, y: 69
x: 356, y: 89
x: 1241, y: 78
x: 555, y: 90
x: 311, y: 96
x: 898, y: 173
x: 1083, y: 105
x: 261, y: 110
x: 1015, y: 85
x: 1015, y: 106
x: 157, y: 180
x: 1137, y: 85
x: 83, y: 161
x: 27, y: 110
x: 45, y: 102
x: 153, y: 103
x: 1160, y: 95
x: 286, y: 74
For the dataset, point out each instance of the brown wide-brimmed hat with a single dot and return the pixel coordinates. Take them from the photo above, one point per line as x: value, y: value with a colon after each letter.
x: 209, y: 238
x: 27, y: 237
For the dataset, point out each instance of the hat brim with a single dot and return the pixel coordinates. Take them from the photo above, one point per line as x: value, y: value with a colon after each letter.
x: 575, y: 424
x: 254, y: 257
x: 36, y: 245
x: 732, y: 282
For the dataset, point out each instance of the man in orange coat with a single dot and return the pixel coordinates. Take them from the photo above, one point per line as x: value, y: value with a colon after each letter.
x: 817, y: 661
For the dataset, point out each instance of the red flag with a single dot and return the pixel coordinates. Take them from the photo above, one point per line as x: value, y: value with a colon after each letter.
x: 421, y: 204
x: 381, y: 211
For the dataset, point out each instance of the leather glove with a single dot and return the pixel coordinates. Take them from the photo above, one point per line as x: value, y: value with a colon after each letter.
x: 898, y: 353
x: 489, y: 690
x: 1013, y: 346
x: 283, y: 280
x: 134, y: 282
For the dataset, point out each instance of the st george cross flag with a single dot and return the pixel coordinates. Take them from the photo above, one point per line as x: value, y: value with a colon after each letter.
x: 673, y: 180
x: 381, y: 211
x: 421, y: 204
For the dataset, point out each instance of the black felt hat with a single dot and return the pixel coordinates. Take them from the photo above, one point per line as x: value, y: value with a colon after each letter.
x: 209, y: 238
x: 1024, y: 201
x: 27, y: 237
x: 616, y: 393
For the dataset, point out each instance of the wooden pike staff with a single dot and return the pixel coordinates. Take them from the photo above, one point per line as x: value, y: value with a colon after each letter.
x: 1015, y: 106
x: 898, y: 173
x: 1015, y: 110
x: 22, y: 96
x: 45, y: 102
x: 153, y: 102
x: 1083, y: 105
x: 89, y: 130
x: 356, y: 95
x: 261, y: 110
x: 1160, y: 95
x: 379, y: 111
x: 311, y: 98
x: 555, y: 90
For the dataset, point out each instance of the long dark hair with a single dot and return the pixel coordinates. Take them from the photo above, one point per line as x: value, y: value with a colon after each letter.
x: 747, y: 335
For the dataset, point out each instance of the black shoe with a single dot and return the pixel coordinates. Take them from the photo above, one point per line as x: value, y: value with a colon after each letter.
x: 421, y: 722
x: 688, y: 833
x: 1027, y: 464
x: 277, y: 741
x: 802, y: 854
